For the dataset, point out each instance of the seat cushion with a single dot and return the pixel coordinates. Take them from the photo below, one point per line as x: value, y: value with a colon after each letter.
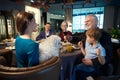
x: 112, y: 77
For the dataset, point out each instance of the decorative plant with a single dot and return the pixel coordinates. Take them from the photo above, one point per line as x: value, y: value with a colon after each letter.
x: 115, y: 33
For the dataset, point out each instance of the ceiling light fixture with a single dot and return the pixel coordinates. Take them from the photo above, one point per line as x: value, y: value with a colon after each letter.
x: 52, y: 1
x: 70, y: 1
x: 64, y: 2
x: 19, y: 1
x: 40, y: 4
x: 31, y: 0
x: 107, y: 0
x: 88, y: 1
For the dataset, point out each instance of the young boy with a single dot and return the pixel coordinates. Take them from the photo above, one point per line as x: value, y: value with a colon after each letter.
x: 92, y: 50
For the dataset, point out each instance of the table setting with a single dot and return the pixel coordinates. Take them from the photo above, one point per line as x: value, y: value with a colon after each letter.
x: 10, y: 43
x: 67, y: 47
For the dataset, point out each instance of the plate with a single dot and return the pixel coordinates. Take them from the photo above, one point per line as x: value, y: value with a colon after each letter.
x: 76, y: 47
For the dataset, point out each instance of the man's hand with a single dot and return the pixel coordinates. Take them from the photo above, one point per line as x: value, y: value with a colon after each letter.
x: 87, y: 61
x: 65, y: 38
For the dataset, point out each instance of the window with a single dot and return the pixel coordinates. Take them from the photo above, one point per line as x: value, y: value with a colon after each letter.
x: 80, y: 14
x: 7, y: 25
x: 2, y: 27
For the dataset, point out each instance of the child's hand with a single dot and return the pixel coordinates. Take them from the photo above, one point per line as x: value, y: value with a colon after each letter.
x: 80, y: 44
x: 98, y: 51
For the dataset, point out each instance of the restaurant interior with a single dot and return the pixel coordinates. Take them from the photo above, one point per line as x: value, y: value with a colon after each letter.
x: 56, y: 11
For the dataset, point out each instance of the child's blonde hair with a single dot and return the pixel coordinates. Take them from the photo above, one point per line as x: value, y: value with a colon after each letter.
x: 94, y: 32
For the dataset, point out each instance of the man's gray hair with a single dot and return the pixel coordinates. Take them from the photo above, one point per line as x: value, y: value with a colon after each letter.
x: 64, y: 22
x: 94, y: 17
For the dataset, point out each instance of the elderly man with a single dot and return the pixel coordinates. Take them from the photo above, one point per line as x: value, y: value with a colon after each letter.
x: 105, y: 40
x: 64, y: 34
x: 92, y: 21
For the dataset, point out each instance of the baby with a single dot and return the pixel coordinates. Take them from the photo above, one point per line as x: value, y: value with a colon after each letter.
x: 49, y: 47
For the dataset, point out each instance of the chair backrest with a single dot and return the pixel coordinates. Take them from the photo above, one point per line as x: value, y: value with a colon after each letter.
x: 117, y: 62
x: 48, y: 70
x: 112, y: 77
x: 7, y: 55
x: 2, y: 46
x: 2, y: 60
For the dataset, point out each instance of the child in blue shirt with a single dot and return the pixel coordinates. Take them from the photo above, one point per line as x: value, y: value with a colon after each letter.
x: 92, y: 50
